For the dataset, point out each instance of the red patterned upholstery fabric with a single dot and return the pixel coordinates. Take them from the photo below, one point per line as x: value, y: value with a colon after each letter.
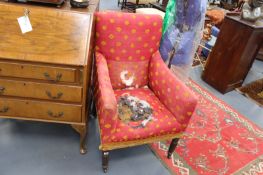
x: 163, y: 120
x: 129, y: 38
x: 171, y: 101
x: 171, y: 91
x: 106, y: 103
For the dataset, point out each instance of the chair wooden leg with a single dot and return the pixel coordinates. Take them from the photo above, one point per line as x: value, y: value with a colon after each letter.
x: 123, y: 4
x: 92, y: 106
x: 172, y: 147
x: 93, y: 109
x: 105, y: 161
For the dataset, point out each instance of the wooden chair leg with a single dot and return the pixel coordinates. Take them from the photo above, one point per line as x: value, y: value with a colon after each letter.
x: 93, y: 109
x: 172, y: 147
x: 105, y: 161
x: 123, y: 4
x: 92, y: 105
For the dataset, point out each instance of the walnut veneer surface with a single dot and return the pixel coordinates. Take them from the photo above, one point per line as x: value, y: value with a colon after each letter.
x: 260, y: 53
x: 233, y: 54
x: 45, y: 74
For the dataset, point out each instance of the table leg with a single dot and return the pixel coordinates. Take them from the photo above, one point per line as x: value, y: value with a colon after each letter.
x: 82, y: 130
x: 123, y: 4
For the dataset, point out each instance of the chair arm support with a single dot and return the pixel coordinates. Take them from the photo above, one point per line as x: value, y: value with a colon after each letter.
x: 106, y: 103
x: 172, y: 92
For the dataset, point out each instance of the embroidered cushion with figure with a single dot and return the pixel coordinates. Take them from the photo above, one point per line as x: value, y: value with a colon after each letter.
x: 128, y: 74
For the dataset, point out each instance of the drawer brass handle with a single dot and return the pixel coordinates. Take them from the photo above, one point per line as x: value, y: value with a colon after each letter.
x: 59, y: 115
x: 58, y: 96
x: 4, y: 109
x: 48, y: 77
x: 2, y: 89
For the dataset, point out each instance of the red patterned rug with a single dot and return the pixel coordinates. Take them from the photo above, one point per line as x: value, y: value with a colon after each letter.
x: 218, y: 140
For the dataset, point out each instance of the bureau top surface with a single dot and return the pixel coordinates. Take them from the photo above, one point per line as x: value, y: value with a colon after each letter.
x: 58, y: 37
x: 256, y: 25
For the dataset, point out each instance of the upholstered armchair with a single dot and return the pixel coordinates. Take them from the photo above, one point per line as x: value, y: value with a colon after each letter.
x: 128, y: 63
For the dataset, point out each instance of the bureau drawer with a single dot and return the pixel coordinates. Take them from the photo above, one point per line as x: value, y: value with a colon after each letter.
x: 40, y: 90
x: 40, y: 110
x: 52, y: 74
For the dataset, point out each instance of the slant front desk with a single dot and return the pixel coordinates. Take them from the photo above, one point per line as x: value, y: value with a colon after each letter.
x: 45, y: 73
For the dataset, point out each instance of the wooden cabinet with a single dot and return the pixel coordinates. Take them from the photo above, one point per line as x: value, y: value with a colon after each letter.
x: 236, y: 48
x: 45, y: 74
x: 260, y: 53
x: 160, y: 5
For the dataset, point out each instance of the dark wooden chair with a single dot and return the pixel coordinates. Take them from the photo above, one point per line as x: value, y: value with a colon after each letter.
x: 160, y: 5
x: 132, y: 6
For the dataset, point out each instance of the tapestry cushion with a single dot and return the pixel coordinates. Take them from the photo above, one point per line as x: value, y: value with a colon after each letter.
x: 163, y: 121
x: 125, y: 74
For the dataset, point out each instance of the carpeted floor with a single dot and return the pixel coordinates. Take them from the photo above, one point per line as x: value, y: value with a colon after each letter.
x: 254, y: 91
x: 35, y: 148
x: 218, y: 140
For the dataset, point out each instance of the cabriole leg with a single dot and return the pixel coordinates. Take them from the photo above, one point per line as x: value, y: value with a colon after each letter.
x: 82, y: 130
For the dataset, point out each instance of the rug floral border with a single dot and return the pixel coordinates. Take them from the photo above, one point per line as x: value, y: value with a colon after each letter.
x: 219, y: 103
x: 255, y: 166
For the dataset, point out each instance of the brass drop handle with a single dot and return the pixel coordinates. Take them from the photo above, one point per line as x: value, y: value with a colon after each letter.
x: 58, y: 96
x: 48, y: 77
x: 2, y: 89
x: 51, y: 114
x: 4, y: 109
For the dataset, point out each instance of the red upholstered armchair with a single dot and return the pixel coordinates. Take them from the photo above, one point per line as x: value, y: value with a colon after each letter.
x: 129, y: 65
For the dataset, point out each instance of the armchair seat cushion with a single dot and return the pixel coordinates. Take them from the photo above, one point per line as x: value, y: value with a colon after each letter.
x: 163, y: 123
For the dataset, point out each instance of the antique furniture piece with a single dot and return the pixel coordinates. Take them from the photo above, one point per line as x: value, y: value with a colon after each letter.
x: 93, y: 6
x: 132, y: 5
x: 45, y: 74
x: 260, y: 53
x: 159, y: 5
x: 79, y: 3
x: 55, y: 2
x: 228, y: 5
x: 156, y: 8
x: 236, y: 48
x: 128, y: 64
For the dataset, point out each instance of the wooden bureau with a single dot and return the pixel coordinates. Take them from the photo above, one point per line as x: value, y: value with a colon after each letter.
x: 45, y: 74
x: 232, y: 56
x: 260, y: 53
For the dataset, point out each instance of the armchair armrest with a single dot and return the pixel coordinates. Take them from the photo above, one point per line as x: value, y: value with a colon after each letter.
x: 172, y: 92
x: 106, y: 103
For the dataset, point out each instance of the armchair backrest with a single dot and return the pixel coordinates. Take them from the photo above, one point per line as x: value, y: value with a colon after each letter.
x: 127, y: 41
